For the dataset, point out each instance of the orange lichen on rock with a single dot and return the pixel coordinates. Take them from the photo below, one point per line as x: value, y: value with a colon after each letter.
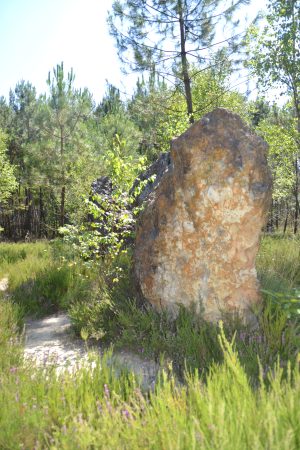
x: 198, y: 236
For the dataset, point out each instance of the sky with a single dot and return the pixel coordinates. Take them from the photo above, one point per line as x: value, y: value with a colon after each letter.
x: 35, y: 35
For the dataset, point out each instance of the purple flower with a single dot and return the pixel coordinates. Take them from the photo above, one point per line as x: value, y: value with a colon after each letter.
x: 243, y: 336
x: 126, y: 413
x: 13, y: 369
x: 259, y: 339
x: 109, y: 407
x: 99, y: 407
x: 106, y: 391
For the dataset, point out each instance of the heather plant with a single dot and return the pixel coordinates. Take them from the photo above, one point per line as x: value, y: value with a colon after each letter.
x: 225, y: 386
x: 98, y: 408
x: 188, y: 341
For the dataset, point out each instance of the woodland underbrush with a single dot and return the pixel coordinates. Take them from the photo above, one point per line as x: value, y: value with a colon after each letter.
x: 223, y: 386
x: 113, y: 314
x: 98, y: 409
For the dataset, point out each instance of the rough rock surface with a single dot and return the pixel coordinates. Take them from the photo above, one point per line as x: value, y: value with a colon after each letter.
x: 157, y: 169
x: 103, y: 187
x: 198, y: 236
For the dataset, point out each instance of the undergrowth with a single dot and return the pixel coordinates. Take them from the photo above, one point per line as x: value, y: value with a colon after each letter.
x: 189, y: 341
x: 43, y: 277
x: 236, y: 392
x: 95, y: 409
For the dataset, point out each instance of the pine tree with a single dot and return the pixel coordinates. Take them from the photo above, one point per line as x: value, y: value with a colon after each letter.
x: 166, y: 36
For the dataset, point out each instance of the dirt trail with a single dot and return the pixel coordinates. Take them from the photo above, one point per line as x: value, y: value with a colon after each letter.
x: 4, y: 284
x: 50, y: 341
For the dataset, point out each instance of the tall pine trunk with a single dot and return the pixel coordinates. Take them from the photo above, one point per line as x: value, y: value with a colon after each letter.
x: 296, y: 192
x: 63, y: 189
x: 184, y: 66
x: 62, y: 206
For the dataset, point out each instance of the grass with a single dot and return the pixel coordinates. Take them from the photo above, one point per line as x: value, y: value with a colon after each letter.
x: 229, y: 388
x: 95, y: 409
x: 188, y: 341
x: 278, y: 263
x: 43, y: 278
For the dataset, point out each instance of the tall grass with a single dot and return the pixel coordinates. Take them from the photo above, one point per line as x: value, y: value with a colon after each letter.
x: 95, y: 409
x: 236, y: 392
x: 43, y: 277
x: 188, y: 341
x: 278, y: 263
x: 10, y: 341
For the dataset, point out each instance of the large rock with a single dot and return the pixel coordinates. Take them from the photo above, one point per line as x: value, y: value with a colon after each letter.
x: 198, y: 236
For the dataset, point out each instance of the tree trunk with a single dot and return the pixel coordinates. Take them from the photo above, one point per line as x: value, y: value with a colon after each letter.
x: 296, y: 217
x: 270, y: 225
x: 28, y: 204
x: 286, y: 219
x: 184, y: 67
x: 297, y: 109
x: 63, y: 189
x: 277, y: 215
x: 62, y: 206
x: 41, y: 214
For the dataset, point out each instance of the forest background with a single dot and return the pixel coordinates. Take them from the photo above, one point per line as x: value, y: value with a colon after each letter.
x: 52, y: 146
x: 220, y: 386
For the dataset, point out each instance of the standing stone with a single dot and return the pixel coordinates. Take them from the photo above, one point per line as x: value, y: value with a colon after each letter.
x: 198, y: 236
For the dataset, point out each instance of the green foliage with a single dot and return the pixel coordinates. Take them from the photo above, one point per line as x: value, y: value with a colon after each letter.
x: 62, y: 119
x: 275, y: 50
x: 160, y: 111
x: 211, y: 89
x: 112, y: 122
x: 283, y: 149
x: 8, y: 181
x: 121, y: 167
x: 275, y: 59
x: 112, y: 223
x: 92, y: 312
x: 158, y: 37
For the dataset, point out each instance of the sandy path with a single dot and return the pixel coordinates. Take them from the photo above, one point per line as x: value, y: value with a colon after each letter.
x: 50, y: 341
x: 3, y: 284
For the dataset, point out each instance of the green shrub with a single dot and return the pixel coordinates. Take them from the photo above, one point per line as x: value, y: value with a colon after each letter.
x: 92, y: 314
